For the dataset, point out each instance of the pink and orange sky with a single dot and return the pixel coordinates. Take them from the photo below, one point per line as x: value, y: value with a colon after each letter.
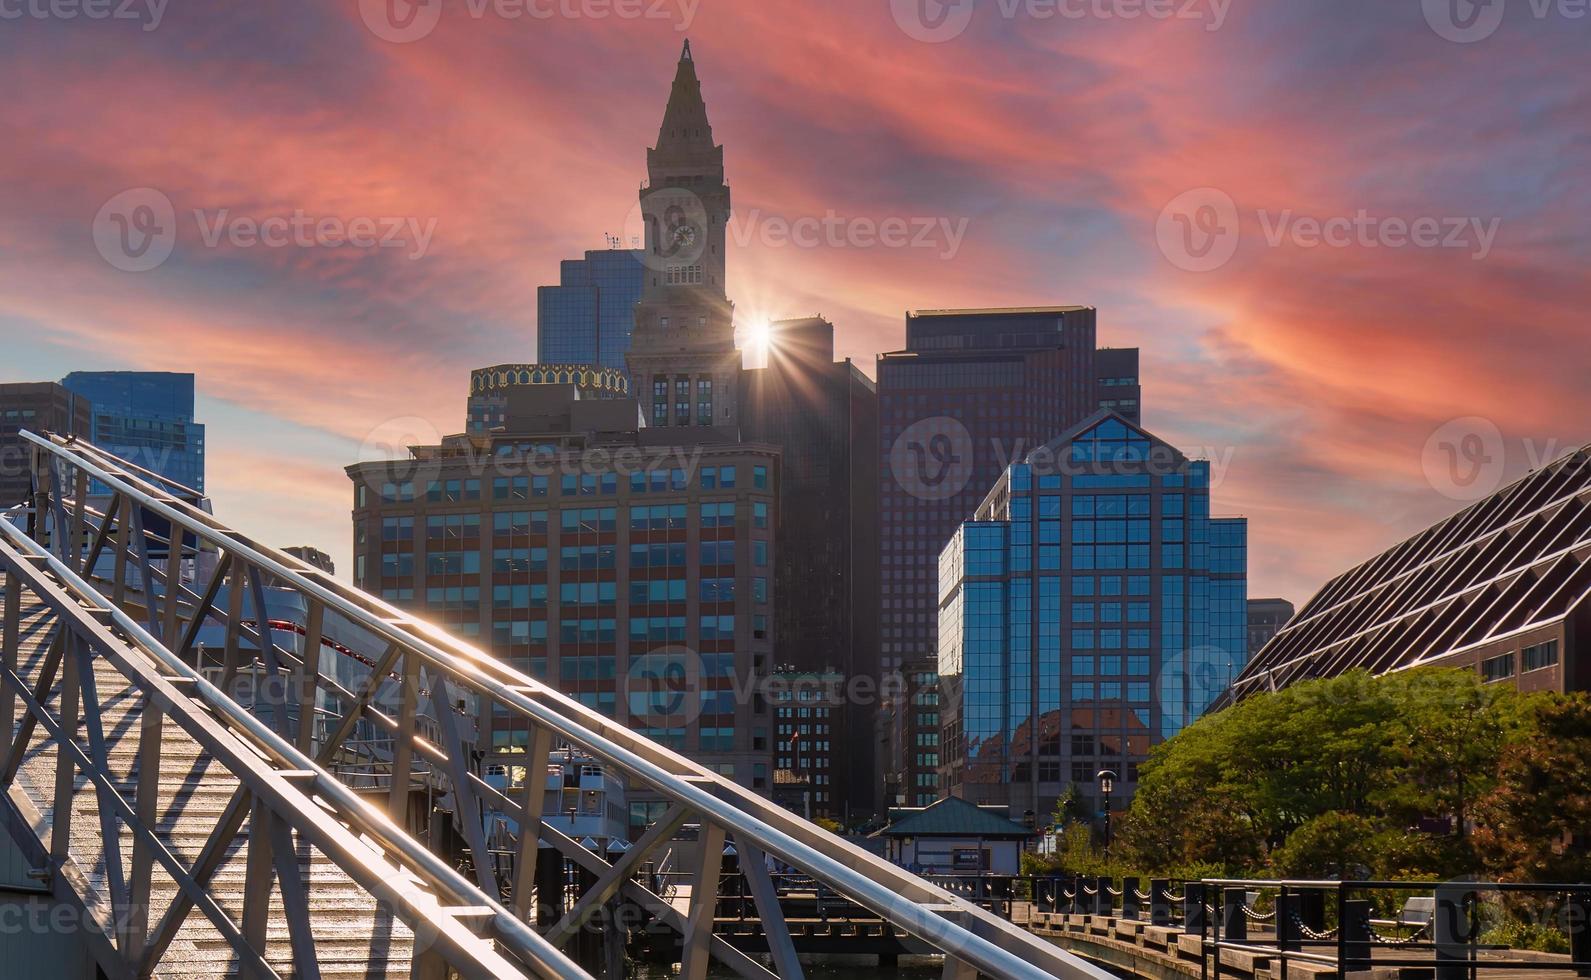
x: 1450, y: 143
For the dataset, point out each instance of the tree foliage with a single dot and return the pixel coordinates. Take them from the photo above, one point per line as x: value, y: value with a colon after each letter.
x: 1419, y: 773
x: 1534, y: 822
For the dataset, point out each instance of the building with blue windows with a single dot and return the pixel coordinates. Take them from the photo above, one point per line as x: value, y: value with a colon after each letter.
x: 588, y: 317
x: 1092, y: 609
x: 146, y: 418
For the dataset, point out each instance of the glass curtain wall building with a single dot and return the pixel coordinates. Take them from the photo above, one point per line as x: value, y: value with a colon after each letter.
x: 588, y: 317
x: 1092, y: 609
x: 145, y: 417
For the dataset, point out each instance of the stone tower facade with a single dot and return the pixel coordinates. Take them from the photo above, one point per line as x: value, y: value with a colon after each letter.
x: 683, y: 362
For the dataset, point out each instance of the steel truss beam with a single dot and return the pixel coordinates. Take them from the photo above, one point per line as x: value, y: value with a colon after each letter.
x: 287, y: 792
x: 970, y: 938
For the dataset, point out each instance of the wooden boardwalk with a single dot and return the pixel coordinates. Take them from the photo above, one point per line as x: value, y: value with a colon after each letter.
x: 1161, y: 953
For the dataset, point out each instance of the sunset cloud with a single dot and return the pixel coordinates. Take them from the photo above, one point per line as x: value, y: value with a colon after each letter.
x: 1055, y: 143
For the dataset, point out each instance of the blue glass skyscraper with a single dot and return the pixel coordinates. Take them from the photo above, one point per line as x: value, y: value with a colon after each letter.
x: 1091, y: 610
x: 588, y: 317
x: 146, y: 417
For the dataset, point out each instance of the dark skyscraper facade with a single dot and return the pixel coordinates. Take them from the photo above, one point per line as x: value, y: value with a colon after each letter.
x: 823, y: 415
x: 38, y: 407
x: 973, y: 391
x: 588, y: 317
x: 1266, y: 617
x: 1118, y: 388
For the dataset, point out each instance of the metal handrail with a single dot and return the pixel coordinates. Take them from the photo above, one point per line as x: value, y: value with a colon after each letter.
x: 475, y: 667
x: 524, y: 940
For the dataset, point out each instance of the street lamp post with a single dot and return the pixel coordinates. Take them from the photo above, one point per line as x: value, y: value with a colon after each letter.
x: 1107, y: 782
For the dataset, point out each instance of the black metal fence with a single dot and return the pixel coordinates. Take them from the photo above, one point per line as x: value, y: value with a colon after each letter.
x: 1434, y: 925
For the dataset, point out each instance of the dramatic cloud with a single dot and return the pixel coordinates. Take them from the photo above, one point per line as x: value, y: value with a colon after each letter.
x: 1044, y: 143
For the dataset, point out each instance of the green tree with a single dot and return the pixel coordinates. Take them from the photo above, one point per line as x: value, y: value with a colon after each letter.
x: 1331, y: 845
x: 1353, y: 771
x: 1532, y: 825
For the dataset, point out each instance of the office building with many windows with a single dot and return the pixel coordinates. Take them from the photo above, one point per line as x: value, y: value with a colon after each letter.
x: 911, y: 738
x: 146, y: 418
x: 809, y: 741
x: 588, y: 317
x: 1091, y: 609
x: 1117, y: 386
x: 636, y: 579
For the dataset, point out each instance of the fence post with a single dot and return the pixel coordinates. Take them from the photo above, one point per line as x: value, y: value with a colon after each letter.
x: 1289, y: 939
x: 549, y: 886
x: 1102, y: 901
x: 1129, y: 899
x: 1193, y: 907
x: 1578, y: 913
x: 1311, y: 907
x: 1234, y: 924
x: 1353, y: 936
x: 1159, y: 904
x: 1450, y: 931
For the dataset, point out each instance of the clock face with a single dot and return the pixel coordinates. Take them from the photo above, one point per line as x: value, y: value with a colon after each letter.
x: 684, y: 236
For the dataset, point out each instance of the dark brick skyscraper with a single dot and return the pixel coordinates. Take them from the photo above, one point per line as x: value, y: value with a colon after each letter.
x: 973, y: 392
x: 823, y: 416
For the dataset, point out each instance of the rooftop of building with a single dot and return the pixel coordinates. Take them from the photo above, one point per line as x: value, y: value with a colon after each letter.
x: 1002, y: 311
x: 953, y: 817
x: 592, y: 377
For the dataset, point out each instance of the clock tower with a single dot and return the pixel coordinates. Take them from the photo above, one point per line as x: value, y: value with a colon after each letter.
x: 684, y: 367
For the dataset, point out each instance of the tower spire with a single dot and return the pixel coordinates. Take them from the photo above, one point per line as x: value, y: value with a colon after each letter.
x: 682, y: 351
x: 685, y: 126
